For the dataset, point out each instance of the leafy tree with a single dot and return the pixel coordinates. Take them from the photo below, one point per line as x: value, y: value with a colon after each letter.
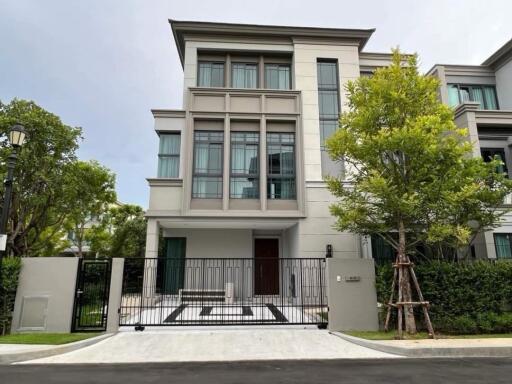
x: 129, y: 236
x: 40, y: 200
x: 90, y: 191
x: 411, y: 170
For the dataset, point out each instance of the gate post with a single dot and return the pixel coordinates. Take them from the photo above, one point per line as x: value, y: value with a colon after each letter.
x: 115, y: 295
x: 351, y: 295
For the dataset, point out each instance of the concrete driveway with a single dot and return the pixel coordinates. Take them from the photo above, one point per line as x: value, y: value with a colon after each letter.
x: 199, y: 345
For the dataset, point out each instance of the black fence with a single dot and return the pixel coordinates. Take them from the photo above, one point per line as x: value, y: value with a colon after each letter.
x: 91, y: 295
x: 227, y: 291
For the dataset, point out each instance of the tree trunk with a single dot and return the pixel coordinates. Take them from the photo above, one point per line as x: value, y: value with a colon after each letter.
x: 404, y: 281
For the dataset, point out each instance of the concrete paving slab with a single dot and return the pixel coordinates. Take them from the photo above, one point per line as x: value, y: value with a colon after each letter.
x: 216, y: 345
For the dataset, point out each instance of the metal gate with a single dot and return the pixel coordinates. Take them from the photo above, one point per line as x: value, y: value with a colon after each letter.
x: 91, y: 295
x: 227, y: 291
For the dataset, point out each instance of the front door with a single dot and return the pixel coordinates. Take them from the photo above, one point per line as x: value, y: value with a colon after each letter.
x: 174, y: 264
x: 266, y: 266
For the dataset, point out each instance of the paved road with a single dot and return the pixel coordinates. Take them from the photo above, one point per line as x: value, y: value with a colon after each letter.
x: 452, y: 371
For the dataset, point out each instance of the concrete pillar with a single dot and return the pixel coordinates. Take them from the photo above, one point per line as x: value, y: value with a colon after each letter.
x: 351, y: 295
x: 115, y: 295
x: 150, y: 265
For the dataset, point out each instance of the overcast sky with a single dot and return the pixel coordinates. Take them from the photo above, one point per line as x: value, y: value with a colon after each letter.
x: 102, y: 65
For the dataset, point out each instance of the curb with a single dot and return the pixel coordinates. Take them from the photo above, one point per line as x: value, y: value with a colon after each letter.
x: 9, y: 358
x: 429, y: 352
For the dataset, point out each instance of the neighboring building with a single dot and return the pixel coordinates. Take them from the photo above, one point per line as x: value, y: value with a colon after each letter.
x: 482, y: 98
x: 241, y: 165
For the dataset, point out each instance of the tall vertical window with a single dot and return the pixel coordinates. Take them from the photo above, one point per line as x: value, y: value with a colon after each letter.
x: 169, y: 155
x: 277, y: 76
x: 328, y: 98
x: 485, y: 95
x: 244, y: 75
x: 208, y: 154
x: 244, y: 182
x: 503, y: 243
x: 210, y: 74
x: 281, y: 166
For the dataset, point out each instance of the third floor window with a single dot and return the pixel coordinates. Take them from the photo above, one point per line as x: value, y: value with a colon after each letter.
x: 210, y: 74
x: 244, y: 75
x: 277, y: 76
x: 483, y: 94
x: 328, y: 98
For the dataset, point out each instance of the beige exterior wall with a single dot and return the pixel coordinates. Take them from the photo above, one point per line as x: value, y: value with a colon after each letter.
x: 45, y: 295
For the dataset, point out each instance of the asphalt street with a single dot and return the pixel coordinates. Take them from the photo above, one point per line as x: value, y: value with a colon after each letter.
x: 439, y: 371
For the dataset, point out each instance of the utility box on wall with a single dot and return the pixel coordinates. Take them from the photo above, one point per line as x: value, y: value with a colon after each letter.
x: 352, y: 296
x: 45, y: 295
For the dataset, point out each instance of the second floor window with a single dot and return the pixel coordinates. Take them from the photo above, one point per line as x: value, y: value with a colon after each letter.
x: 210, y: 74
x: 244, y: 182
x: 328, y: 98
x: 208, y: 156
x: 281, y: 166
x: 483, y: 94
x: 277, y: 76
x: 503, y: 243
x: 244, y: 75
x: 169, y: 155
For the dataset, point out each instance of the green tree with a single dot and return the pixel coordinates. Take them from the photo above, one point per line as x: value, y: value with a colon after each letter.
x: 40, y: 201
x: 129, y: 231
x: 90, y: 192
x: 411, y: 170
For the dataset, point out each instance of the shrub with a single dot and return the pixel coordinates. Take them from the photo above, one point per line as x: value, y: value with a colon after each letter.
x: 10, y: 271
x: 464, y: 298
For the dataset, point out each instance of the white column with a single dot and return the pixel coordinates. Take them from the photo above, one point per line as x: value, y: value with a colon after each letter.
x: 150, y: 264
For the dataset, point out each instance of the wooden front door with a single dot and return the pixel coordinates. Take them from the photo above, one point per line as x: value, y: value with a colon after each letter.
x: 266, y: 266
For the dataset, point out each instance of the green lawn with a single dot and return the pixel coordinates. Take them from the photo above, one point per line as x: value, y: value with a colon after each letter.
x: 45, y: 338
x: 380, y: 335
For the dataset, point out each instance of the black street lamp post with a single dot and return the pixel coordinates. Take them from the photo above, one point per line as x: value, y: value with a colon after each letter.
x: 17, y: 136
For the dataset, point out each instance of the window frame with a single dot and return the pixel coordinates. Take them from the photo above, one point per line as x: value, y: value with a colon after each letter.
x: 245, y: 63
x: 470, y: 87
x: 196, y: 174
x: 319, y: 89
x: 166, y: 155
x: 199, y: 62
x: 509, y: 238
x: 281, y: 176
x: 495, y: 151
x: 233, y: 175
x: 289, y: 66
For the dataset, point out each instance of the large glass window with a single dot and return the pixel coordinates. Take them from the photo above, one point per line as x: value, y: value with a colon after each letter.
x: 210, y: 74
x: 244, y: 182
x: 277, y: 76
x: 489, y: 154
x: 281, y: 166
x: 503, y: 243
x: 208, y: 154
x: 169, y: 155
x: 328, y: 98
x: 483, y: 94
x: 244, y: 75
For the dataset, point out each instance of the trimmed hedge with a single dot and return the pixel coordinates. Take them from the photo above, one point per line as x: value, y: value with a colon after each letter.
x: 11, y: 267
x: 464, y: 298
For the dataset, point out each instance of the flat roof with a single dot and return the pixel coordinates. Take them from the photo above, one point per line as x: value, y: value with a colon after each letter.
x: 181, y: 27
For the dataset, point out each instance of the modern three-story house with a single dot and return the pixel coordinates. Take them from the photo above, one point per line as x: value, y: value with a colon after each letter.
x: 481, y: 96
x: 241, y: 165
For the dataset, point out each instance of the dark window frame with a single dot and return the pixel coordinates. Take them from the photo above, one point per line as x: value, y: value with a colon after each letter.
x: 332, y: 88
x: 509, y: 238
x: 233, y: 175
x: 196, y: 174
x: 292, y: 176
x: 495, y: 151
x: 470, y: 86
x: 289, y: 66
x: 211, y: 62
x: 245, y: 63
x: 167, y: 155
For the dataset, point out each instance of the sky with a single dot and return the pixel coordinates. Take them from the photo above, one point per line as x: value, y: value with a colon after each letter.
x: 103, y: 65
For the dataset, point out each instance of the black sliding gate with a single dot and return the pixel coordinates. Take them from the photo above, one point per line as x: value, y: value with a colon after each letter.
x: 228, y: 291
x: 91, y: 295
